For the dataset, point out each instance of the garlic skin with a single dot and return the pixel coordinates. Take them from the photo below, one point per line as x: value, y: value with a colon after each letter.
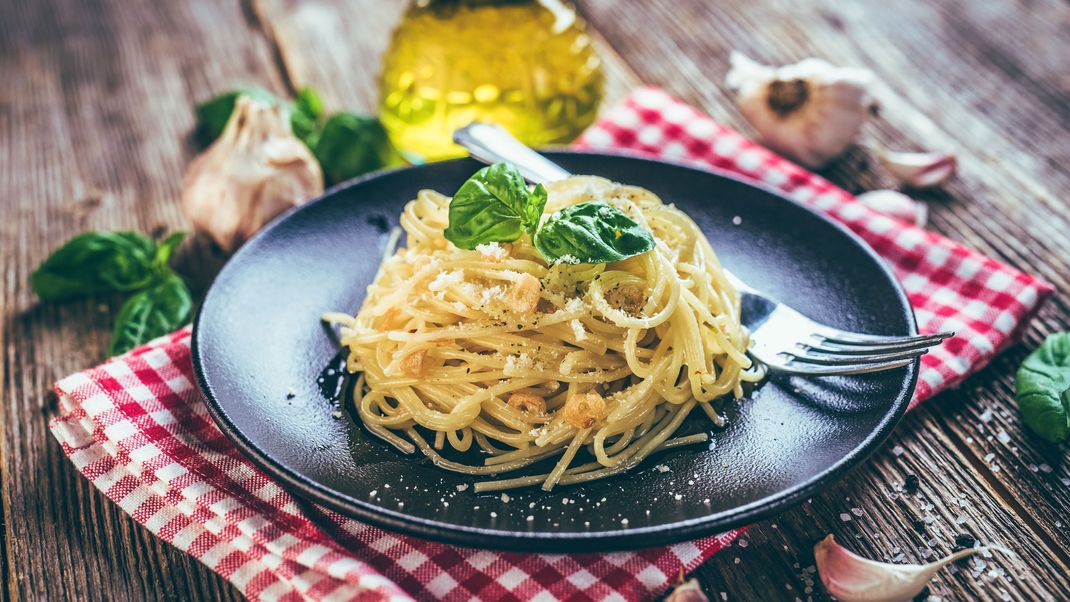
x: 850, y: 578
x: 687, y: 591
x: 919, y: 170
x: 896, y: 204
x: 255, y: 170
x: 809, y: 111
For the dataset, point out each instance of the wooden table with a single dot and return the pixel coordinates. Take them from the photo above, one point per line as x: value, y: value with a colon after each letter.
x: 95, y: 121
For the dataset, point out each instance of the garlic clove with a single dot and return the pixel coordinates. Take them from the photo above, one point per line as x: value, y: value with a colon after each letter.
x: 919, y: 170
x: 810, y: 111
x: 896, y: 204
x: 254, y: 171
x: 850, y: 578
x: 687, y: 591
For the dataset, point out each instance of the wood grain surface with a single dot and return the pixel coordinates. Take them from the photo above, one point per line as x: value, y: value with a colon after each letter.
x: 95, y: 123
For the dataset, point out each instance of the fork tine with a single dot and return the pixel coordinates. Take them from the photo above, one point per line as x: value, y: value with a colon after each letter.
x: 866, y: 349
x: 846, y: 360
x: 849, y: 338
x: 812, y: 370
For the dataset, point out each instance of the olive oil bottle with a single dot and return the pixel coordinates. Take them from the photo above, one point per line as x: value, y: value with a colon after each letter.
x: 527, y: 65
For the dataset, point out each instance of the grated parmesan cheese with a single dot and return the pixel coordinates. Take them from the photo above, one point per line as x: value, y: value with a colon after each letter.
x: 578, y: 330
x: 515, y: 364
x: 445, y: 279
x: 492, y: 251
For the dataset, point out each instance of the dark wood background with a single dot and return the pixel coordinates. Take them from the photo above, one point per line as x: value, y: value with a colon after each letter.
x: 95, y: 121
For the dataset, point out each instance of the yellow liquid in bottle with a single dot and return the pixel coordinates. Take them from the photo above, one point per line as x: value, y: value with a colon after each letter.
x: 520, y: 64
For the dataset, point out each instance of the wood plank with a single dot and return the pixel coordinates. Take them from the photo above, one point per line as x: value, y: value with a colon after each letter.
x: 938, y: 91
x: 880, y: 523
x: 94, y: 122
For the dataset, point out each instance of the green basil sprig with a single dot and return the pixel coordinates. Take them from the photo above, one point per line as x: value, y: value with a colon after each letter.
x: 128, y: 262
x: 151, y: 313
x: 495, y: 205
x: 1042, y: 388
x: 96, y: 262
x: 592, y: 232
x: 345, y: 144
x: 349, y: 145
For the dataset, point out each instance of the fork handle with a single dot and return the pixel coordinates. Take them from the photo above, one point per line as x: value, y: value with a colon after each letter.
x: 491, y: 143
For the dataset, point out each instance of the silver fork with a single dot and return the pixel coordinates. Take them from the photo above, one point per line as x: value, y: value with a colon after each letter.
x: 782, y: 339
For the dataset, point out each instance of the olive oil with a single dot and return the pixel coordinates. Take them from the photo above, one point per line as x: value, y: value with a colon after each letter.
x: 527, y: 65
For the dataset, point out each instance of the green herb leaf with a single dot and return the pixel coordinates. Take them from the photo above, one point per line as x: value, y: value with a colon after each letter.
x: 212, y: 115
x: 166, y: 250
x: 305, y: 116
x: 351, y: 145
x: 494, y: 205
x: 96, y: 262
x: 592, y: 232
x: 1043, y: 388
x: 151, y: 313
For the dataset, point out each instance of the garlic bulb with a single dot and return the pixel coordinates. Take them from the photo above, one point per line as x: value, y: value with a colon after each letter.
x: 919, y: 170
x: 850, y: 578
x: 687, y: 591
x: 254, y: 171
x: 809, y: 112
x: 896, y: 204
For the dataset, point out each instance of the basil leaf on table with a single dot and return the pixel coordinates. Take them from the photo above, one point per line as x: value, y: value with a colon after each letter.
x: 305, y: 116
x: 151, y: 313
x: 350, y: 145
x: 494, y: 205
x: 592, y: 232
x: 162, y: 258
x: 96, y: 262
x: 1042, y: 388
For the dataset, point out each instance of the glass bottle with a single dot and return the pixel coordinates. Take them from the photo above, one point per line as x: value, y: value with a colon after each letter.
x: 527, y: 65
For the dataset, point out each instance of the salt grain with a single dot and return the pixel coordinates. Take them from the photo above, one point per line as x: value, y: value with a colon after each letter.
x: 845, y: 517
x: 462, y: 487
x: 1003, y: 437
x: 898, y: 450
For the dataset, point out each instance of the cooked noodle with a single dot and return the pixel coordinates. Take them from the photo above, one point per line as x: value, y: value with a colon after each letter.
x: 529, y: 361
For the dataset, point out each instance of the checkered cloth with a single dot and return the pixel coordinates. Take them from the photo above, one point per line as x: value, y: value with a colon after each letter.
x: 137, y: 427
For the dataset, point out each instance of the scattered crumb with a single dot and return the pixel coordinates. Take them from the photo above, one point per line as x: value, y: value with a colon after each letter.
x: 463, y: 487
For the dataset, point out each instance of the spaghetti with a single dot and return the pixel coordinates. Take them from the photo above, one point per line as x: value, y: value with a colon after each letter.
x: 527, y: 361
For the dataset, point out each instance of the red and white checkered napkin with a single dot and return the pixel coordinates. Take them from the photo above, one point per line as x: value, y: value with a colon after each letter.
x: 138, y: 429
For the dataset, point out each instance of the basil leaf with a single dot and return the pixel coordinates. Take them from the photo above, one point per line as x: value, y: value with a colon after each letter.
x: 305, y: 116
x: 212, y: 115
x: 1042, y: 388
x: 96, y: 262
x: 162, y: 258
x: 592, y: 232
x: 350, y: 145
x: 151, y: 313
x: 494, y: 205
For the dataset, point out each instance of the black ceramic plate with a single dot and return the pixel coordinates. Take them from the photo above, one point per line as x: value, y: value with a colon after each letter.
x: 258, y: 338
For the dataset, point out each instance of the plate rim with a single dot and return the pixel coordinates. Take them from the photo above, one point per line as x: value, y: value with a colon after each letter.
x: 305, y: 489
